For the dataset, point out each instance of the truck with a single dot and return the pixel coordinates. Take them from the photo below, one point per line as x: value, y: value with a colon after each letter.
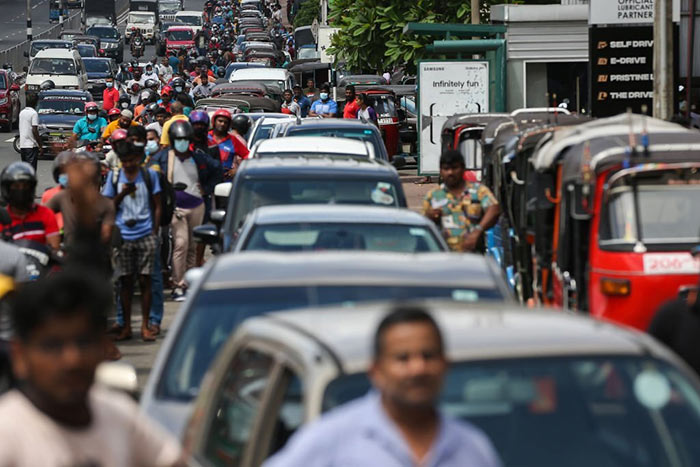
x: 103, y: 11
x: 168, y: 8
x: 143, y: 15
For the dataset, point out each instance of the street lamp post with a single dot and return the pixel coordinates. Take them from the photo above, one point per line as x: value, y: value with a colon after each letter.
x: 29, y: 20
x: 663, y: 60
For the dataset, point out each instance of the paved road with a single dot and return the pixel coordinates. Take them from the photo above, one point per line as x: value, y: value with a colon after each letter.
x: 13, y: 24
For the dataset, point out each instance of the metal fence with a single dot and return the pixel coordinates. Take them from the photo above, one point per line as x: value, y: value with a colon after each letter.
x: 15, y: 55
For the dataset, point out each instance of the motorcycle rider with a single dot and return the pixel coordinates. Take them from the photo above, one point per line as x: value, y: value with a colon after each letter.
x: 88, y: 128
x: 29, y: 221
x: 138, y: 43
x: 134, y: 86
x: 232, y: 146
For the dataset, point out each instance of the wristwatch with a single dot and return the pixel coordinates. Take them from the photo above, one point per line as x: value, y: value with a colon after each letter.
x: 478, y: 227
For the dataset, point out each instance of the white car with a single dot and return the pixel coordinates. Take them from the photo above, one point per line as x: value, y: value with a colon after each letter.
x: 145, y: 21
x: 64, y: 67
x: 313, y: 146
x: 279, y: 77
x: 190, y: 18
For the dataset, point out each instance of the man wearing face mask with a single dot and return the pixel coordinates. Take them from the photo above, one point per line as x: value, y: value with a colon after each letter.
x: 178, y: 85
x: 30, y: 221
x: 193, y: 174
x: 177, y: 110
x: 134, y: 90
x: 120, y: 146
x: 110, y: 95
x: 125, y: 120
x: 61, y: 178
x: 88, y: 128
x: 325, y: 106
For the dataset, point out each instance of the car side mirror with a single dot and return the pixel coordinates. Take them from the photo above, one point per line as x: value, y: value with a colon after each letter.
x: 217, y: 216
x: 14, y: 87
x: 206, y: 233
x: 119, y: 376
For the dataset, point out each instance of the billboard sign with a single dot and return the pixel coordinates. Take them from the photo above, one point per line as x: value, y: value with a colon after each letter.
x: 626, y: 11
x: 446, y: 88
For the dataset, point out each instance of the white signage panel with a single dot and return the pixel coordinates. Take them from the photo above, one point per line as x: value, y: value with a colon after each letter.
x: 446, y: 88
x: 626, y: 11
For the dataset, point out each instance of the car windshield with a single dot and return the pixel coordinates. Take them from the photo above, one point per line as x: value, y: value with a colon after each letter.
x: 384, y: 105
x: 597, y: 411
x: 103, y: 33
x: 254, y: 193
x: 36, y: 48
x: 307, y: 52
x: 668, y: 207
x: 180, y: 35
x: 61, y: 105
x: 86, y: 50
x: 216, y: 313
x: 52, y: 66
x: 361, y: 134
x: 141, y: 19
x: 168, y: 7
x: 191, y: 20
x: 342, y: 236
x: 97, y: 66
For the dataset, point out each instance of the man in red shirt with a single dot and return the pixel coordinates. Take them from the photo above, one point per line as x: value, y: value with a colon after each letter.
x: 110, y: 96
x: 30, y: 221
x: 232, y: 146
x: 351, y: 107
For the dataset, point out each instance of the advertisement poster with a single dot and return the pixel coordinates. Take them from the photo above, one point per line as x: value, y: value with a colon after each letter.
x: 626, y: 11
x: 446, y: 88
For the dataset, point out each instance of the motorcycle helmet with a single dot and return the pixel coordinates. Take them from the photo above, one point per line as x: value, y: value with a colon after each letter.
x: 221, y: 72
x: 240, y: 123
x: 117, y: 135
x: 91, y: 106
x: 167, y: 90
x: 221, y: 113
x: 150, y: 84
x: 18, y: 172
x: 59, y: 162
x: 119, y: 142
x: 135, y: 88
x: 199, y: 116
x: 151, y: 108
x: 180, y: 129
x: 178, y: 85
x: 114, y: 111
x: 124, y: 101
x: 47, y: 85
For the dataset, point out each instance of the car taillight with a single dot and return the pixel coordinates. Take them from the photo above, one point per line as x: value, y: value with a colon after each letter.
x: 615, y: 287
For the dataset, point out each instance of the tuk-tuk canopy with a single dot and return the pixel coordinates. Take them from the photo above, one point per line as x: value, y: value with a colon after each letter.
x: 239, y: 87
x: 361, y: 79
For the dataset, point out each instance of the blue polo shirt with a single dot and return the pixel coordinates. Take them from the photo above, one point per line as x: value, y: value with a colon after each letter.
x: 328, y: 107
x: 83, y: 126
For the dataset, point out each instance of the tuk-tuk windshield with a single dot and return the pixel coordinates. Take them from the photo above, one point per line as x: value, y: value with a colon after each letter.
x: 669, y: 213
x: 384, y: 105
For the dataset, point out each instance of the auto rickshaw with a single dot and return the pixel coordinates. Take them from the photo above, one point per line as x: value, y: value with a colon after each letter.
x: 317, y: 71
x: 622, y: 195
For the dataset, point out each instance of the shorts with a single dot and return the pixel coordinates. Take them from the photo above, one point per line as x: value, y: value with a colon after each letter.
x: 137, y: 256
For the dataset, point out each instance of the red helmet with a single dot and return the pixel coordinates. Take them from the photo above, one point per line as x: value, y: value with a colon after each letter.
x: 166, y: 90
x: 117, y: 135
x: 135, y: 87
x: 114, y: 111
x: 90, y: 106
x: 133, y: 29
x: 222, y: 113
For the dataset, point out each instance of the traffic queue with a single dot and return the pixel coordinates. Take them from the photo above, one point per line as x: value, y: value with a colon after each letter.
x: 506, y: 323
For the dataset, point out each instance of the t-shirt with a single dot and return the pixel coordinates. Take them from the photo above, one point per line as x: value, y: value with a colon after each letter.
x: 28, y: 118
x: 155, y: 126
x: 135, y: 97
x: 292, y: 108
x: 164, y: 137
x: 135, y: 209
x: 113, y: 126
x: 83, y: 128
x: 350, y: 110
x: 62, y: 203
x: 231, y: 146
x: 110, y: 97
x: 174, y: 62
x: 328, y: 107
x: 185, y: 171
x: 46, y: 197
x: 36, y: 226
x: 120, y: 435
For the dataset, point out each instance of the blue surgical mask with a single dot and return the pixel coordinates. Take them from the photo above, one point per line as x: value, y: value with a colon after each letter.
x: 63, y: 180
x: 186, y: 111
x: 109, y: 84
x: 324, y: 96
x: 181, y: 145
x: 92, y: 117
x: 151, y: 147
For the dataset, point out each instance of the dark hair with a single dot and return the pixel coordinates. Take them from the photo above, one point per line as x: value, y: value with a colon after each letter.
x: 185, y: 100
x: 152, y: 130
x: 296, y: 86
x: 61, y: 294
x: 351, y: 88
x: 402, y: 315
x: 452, y: 157
x: 363, y: 97
x: 31, y: 100
x: 325, y: 87
x: 161, y: 110
x: 288, y: 91
x: 136, y: 131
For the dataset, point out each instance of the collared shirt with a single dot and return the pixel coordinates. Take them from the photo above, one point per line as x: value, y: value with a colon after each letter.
x: 360, y: 434
x: 328, y: 107
x: 110, y: 97
x: 37, y: 225
x: 460, y: 214
x: 164, y: 137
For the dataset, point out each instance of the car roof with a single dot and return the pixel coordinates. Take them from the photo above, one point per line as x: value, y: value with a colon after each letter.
x: 317, y: 166
x: 260, y: 73
x: 56, y: 53
x: 180, y: 28
x: 255, y: 268
x: 471, y: 331
x: 333, y: 213
x: 51, y: 41
x: 313, y: 145
x: 97, y: 59
x: 334, y: 123
x: 66, y: 92
x: 189, y: 12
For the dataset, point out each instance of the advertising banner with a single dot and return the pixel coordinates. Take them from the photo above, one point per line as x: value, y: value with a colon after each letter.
x: 626, y: 11
x: 446, y: 88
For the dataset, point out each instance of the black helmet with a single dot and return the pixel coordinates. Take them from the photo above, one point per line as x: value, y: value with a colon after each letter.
x: 47, y: 85
x: 240, y: 123
x: 178, y: 82
x: 124, y: 99
x: 180, y: 129
x: 221, y: 72
x: 59, y: 162
x: 151, y: 108
x: 150, y: 83
x: 18, y: 172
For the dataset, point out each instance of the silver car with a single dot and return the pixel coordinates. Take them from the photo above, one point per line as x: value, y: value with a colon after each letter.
x: 234, y: 287
x: 295, y: 228
x: 550, y: 389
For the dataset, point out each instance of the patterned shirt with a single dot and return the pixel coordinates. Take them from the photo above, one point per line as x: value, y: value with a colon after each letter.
x: 460, y: 215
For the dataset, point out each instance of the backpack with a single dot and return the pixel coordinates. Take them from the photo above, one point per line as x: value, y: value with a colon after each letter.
x: 167, y: 192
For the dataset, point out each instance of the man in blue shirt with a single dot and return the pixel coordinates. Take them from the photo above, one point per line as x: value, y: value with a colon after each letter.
x: 302, y: 100
x: 90, y: 127
x: 325, y: 106
x: 138, y: 211
x: 397, y: 424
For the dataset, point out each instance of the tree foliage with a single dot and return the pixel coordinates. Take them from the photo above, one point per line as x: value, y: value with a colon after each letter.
x: 308, y: 11
x: 371, y: 37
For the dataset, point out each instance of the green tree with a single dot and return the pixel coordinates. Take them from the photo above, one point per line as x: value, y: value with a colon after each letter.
x: 371, y: 36
x: 308, y: 11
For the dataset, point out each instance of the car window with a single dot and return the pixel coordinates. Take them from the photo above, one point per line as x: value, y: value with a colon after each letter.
x: 97, y: 66
x: 360, y: 134
x: 53, y: 66
x: 616, y: 411
x: 290, y: 414
x: 61, y: 105
x: 342, y: 236
x: 180, y: 35
x: 254, y: 193
x: 3, y: 82
x: 103, y: 33
x: 237, y: 407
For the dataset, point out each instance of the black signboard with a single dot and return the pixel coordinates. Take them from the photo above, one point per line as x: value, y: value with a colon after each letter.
x: 622, y: 69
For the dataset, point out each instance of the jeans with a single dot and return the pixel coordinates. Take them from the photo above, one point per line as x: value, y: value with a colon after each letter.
x: 156, y: 294
x: 30, y: 156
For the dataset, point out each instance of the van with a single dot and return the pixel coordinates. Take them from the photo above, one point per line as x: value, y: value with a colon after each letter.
x: 192, y: 19
x: 279, y: 77
x: 64, y: 67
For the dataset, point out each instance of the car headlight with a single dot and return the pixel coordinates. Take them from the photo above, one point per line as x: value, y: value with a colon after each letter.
x: 32, y: 87
x: 3, y: 100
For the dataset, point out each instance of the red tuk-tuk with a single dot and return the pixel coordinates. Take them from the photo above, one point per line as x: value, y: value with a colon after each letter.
x: 622, y: 195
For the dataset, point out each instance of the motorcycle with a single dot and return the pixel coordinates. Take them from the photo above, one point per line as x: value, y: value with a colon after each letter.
x: 137, y: 47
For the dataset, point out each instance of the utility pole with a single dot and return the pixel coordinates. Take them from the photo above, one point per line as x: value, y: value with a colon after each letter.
x: 29, y: 20
x: 476, y: 12
x: 663, y: 60
x: 61, y: 7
